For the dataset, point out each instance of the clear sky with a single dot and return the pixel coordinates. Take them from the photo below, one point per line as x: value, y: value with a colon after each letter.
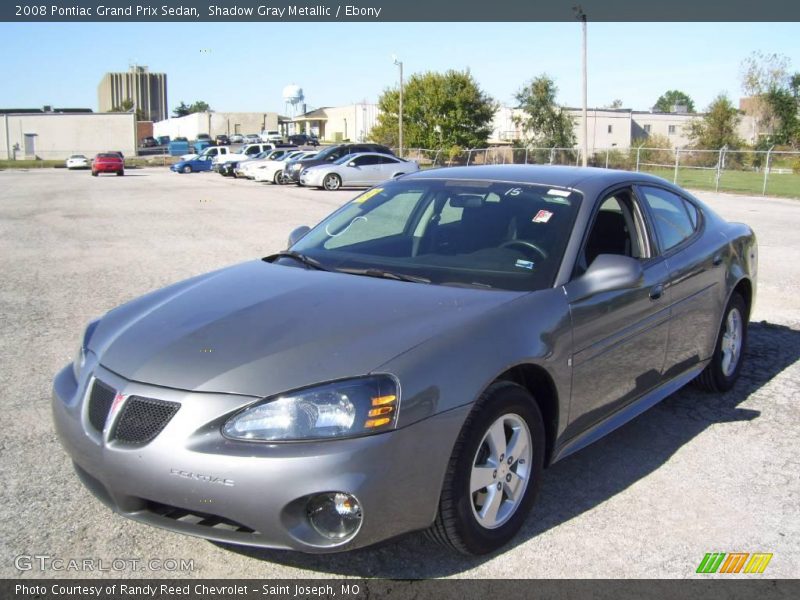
x: 244, y: 66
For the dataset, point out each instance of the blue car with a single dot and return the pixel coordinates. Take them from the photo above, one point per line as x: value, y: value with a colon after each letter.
x: 201, y: 163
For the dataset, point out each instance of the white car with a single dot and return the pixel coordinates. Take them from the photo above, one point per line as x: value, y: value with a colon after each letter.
x: 236, y: 138
x: 248, y: 169
x: 245, y: 153
x: 357, y: 170
x: 77, y: 161
x: 272, y: 170
x: 212, y: 151
x: 271, y: 136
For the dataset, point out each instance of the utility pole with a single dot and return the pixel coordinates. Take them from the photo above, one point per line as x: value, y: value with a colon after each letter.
x: 581, y: 16
x: 399, y: 63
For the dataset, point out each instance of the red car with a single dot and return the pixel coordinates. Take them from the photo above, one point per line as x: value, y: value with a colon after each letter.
x: 108, y: 162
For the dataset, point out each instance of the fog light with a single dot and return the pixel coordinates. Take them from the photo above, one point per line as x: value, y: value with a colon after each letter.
x: 334, y: 515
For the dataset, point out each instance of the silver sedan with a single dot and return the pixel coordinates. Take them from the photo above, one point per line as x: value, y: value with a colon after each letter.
x: 357, y: 170
x: 414, y: 362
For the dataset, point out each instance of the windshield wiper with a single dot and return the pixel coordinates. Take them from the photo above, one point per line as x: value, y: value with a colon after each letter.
x: 299, y: 257
x: 380, y: 273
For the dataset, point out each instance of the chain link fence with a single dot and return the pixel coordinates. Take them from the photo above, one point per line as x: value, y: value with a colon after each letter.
x: 761, y: 172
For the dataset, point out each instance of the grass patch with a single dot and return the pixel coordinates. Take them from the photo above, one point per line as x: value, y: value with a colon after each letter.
x: 30, y: 164
x: 744, y: 182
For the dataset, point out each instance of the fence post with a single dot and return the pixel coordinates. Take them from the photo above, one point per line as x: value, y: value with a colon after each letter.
x: 606, y: 159
x: 766, y: 171
x: 638, y: 150
x: 469, y: 155
x: 720, y: 166
x: 436, y: 156
x: 552, y: 154
x: 677, y: 162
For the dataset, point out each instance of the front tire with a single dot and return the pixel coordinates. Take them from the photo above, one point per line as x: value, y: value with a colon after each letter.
x: 120, y: 173
x: 332, y: 182
x: 277, y: 178
x: 186, y: 169
x: 494, y: 473
x: 726, y: 363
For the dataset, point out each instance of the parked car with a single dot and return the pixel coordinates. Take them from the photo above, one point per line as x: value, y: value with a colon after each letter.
x: 77, y: 161
x: 329, y: 155
x: 163, y: 140
x: 108, y: 162
x: 222, y: 140
x: 272, y: 170
x: 195, y: 165
x: 248, y: 168
x: 244, y: 153
x: 415, y: 361
x: 201, y: 144
x: 251, y: 138
x: 149, y: 142
x: 212, y: 151
x: 271, y: 136
x: 237, y: 138
x: 304, y: 139
x: 353, y: 170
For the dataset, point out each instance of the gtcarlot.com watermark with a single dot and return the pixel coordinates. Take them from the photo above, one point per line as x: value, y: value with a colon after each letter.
x: 57, y: 564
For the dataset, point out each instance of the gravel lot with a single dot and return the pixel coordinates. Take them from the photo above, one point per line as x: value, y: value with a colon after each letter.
x: 696, y: 474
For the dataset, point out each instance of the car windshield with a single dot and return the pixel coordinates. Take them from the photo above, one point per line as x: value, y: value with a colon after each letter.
x: 451, y: 232
x: 323, y: 154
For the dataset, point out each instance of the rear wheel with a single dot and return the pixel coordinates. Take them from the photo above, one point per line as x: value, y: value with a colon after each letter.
x: 120, y: 173
x: 277, y: 179
x: 726, y: 363
x: 332, y: 182
x: 186, y: 169
x: 494, y: 473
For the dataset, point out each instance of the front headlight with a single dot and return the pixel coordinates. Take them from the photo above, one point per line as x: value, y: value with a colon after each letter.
x: 80, y: 356
x: 348, y: 408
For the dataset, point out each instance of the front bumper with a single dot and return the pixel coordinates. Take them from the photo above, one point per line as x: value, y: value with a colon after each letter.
x: 192, y: 480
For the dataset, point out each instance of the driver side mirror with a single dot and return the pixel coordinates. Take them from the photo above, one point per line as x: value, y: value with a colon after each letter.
x: 608, y: 272
x: 298, y: 234
x: 352, y: 163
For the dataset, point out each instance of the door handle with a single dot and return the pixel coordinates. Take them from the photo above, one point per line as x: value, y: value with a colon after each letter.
x: 656, y: 291
x: 717, y: 260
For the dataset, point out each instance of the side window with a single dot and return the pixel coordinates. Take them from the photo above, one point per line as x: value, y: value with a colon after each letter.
x: 363, y: 161
x: 671, y: 215
x: 617, y: 228
x: 386, y: 160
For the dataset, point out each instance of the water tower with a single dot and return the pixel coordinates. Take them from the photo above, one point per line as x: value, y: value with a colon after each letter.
x: 292, y: 97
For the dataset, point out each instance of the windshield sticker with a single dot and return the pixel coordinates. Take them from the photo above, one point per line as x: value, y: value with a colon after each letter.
x: 367, y: 195
x: 562, y: 193
x: 524, y: 264
x: 543, y: 216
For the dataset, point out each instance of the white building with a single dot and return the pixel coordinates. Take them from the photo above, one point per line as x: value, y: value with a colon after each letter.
x: 351, y: 122
x: 218, y: 123
x: 55, y: 136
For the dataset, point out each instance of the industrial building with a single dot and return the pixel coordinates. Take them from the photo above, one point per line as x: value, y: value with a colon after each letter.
x: 55, y: 134
x: 218, y: 123
x: 147, y: 91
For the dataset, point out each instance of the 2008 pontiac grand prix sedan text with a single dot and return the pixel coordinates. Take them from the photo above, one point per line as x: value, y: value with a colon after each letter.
x: 413, y: 362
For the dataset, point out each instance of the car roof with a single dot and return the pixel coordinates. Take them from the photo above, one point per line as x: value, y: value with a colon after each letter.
x: 381, y: 154
x: 557, y: 176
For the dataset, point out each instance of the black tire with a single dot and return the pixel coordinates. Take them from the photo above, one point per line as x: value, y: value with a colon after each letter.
x: 186, y: 169
x: 94, y: 174
x: 714, y: 378
x: 332, y: 182
x: 277, y: 178
x: 456, y: 525
x: 120, y: 173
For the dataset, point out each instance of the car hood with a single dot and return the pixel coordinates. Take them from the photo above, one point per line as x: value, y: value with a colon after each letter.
x: 258, y: 328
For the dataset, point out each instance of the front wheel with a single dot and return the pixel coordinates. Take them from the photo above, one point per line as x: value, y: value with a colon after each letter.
x: 120, y: 173
x: 726, y: 362
x: 277, y: 179
x: 332, y: 182
x: 494, y: 473
x: 186, y: 169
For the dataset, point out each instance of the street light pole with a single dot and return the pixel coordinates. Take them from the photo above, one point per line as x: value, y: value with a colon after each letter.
x: 399, y: 63
x: 581, y: 16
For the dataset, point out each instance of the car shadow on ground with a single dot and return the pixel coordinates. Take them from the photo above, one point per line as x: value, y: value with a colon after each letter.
x: 583, y: 480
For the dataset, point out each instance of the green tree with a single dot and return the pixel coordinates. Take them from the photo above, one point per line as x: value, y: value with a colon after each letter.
x: 669, y: 99
x: 199, y: 106
x: 616, y: 103
x: 785, y: 125
x: 718, y: 127
x: 764, y: 76
x: 182, y: 110
x: 127, y: 106
x: 544, y: 123
x: 440, y: 110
